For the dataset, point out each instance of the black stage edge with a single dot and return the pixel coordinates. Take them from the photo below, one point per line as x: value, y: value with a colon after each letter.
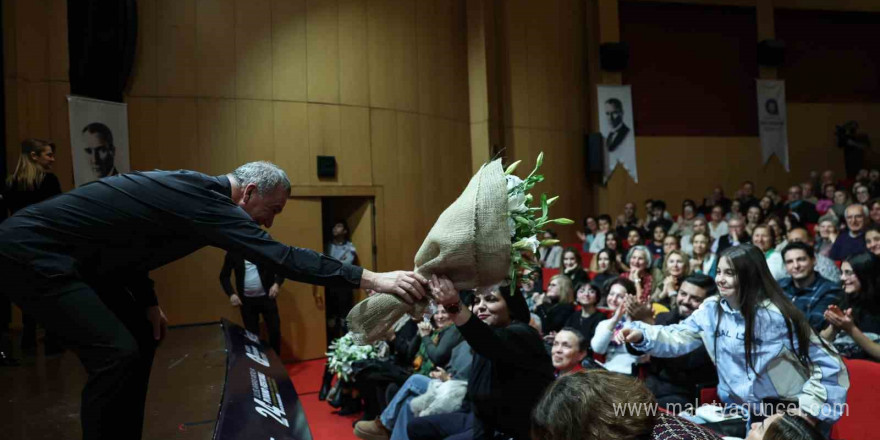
x: 259, y: 400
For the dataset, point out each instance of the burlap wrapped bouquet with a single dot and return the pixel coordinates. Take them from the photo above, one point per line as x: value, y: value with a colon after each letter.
x: 469, y: 243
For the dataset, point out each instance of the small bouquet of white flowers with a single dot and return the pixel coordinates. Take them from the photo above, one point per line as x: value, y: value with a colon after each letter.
x: 527, y: 222
x: 344, y: 352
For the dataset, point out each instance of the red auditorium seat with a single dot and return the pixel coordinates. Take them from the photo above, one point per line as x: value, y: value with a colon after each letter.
x: 547, y: 274
x: 859, y: 420
x: 586, y: 258
x: 811, y: 228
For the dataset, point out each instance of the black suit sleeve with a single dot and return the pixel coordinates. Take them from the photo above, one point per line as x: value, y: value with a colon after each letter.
x: 141, y: 287
x: 225, y: 274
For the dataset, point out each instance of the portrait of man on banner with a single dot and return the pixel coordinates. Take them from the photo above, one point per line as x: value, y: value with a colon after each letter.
x: 98, y: 138
x: 617, y: 128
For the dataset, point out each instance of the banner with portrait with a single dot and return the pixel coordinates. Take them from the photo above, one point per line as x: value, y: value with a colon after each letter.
x: 618, y: 130
x: 98, y: 138
x: 772, y: 124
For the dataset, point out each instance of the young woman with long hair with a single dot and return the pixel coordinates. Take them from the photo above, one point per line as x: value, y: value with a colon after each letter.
x: 762, y: 345
x: 854, y: 327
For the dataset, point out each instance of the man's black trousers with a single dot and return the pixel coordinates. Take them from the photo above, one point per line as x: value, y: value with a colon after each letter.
x: 252, y: 308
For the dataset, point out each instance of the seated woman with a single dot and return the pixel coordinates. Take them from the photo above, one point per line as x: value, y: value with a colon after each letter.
x: 685, y: 221
x: 754, y: 218
x: 784, y: 427
x: 437, y: 341
x: 506, y: 350
x: 872, y: 239
x: 587, y: 406
x: 855, y: 326
x: 589, y: 233
x: 585, y: 321
x: 639, y: 263
x: 676, y: 266
x: 735, y: 210
x: 762, y: 345
x: 670, y: 243
x: 569, y: 350
x: 703, y: 261
x: 612, y: 242
x: 827, y: 232
x: 656, y: 245
x: 780, y: 228
x: 555, y: 306
x: 617, y: 358
x: 573, y: 267
x: 764, y: 238
x: 633, y: 238
x: 605, y: 266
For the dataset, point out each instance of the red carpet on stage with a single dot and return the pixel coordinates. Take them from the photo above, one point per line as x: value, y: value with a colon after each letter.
x: 325, y: 425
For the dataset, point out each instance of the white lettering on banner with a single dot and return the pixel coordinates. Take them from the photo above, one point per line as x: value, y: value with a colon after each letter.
x: 267, y: 399
x: 252, y: 337
x: 256, y: 356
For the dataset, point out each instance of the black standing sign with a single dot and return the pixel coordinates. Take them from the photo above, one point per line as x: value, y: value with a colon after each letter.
x: 259, y: 401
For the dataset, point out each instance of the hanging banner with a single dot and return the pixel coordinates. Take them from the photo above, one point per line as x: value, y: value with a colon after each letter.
x: 98, y: 138
x: 772, y: 123
x: 618, y: 130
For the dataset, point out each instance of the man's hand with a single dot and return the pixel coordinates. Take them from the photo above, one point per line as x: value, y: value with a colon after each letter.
x: 273, y: 291
x: 425, y: 329
x: 549, y: 337
x: 439, y: 373
x: 630, y: 336
x: 639, y: 310
x: 235, y: 300
x: 407, y: 285
x: 160, y: 323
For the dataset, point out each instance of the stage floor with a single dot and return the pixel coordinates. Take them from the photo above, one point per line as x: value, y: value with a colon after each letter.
x: 40, y: 399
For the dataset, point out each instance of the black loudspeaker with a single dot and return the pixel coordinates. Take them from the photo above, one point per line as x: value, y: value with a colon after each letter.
x: 595, y: 161
x: 771, y: 53
x: 102, y: 36
x: 613, y: 57
x: 326, y: 166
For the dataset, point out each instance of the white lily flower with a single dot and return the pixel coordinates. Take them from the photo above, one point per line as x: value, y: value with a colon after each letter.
x: 532, y: 243
x: 513, y: 181
x: 512, y: 225
x: 516, y: 202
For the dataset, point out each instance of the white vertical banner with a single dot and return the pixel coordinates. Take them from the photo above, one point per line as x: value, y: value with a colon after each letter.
x: 98, y: 138
x: 772, y: 124
x: 617, y: 128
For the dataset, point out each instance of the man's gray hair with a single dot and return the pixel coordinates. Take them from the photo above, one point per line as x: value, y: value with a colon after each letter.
x: 266, y: 175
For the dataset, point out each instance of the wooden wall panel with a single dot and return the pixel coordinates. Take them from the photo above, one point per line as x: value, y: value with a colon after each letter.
x: 406, y: 60
x: 322, y: 38
x: 10, y: 88
x: 176, y: 48
x: 254, y: 130
x: 215, y: 62
x: 189, y: 289
x: 324, y: 139
x: 177, y: 139
x: 410, y: 189
x: 32, y: 40
x: 292, y: 141
x: 58, y: 58
x: 143, y: 138
x: 216, y: 135
x: 354, y: 148
x: 289, y: 66
x: 514, y: 59
x: 36, y: 109
x: 10, y: 27
x: 393, y: 54
x: 59, y: 132
x: 303, y: 331
x: 144, y: 73
x: 253, y: 49
x: 354, y: 82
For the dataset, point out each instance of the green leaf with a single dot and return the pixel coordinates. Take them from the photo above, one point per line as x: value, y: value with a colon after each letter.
x: 544, y: 205
x: 563, y: 221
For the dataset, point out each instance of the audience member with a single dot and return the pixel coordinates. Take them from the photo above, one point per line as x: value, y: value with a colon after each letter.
x: 767, y: 206
x: 585, y: 321
x: 676, y: 266
x: 658, y: 217
x: 607, y: 267
x: 827, y: 199
x: 716, y: 199
x: 805, y: 209
x: 573, y: 267
x: 703, y: 260
x: 591, y: 227
x: 774, y: 195
x: 255, y: 292
x: 678, y: 380
x: 828, y: 178
x: 555, y: 306
x: 855, y: 325
x: 841, y: 201
x: 717, y: 223
x: 685, y: 222
x: 764, y: 238
x: 754, y: 217
x: 784, y: 426
x: 807, y: 193
x: 628, y: 219
x: 872, y: 239
x: 617, y: 359
x: 550, y: 256
x: 874, y: 211
x: 587, y: 406
x: 686, y: 242
x: 633, y: 238
x: 824, y: 265
x: 601, y: 236
x: 778, y: 232
x: 506, y: 350
x: 569, y: 349
x: 670, y: 243
x: 735, y: 237
x: 861, y: 193
x: 656, y: 244
x: 810, y: 292
x: 639, y: 263
x: 736, y: 208
x: 613, y: 242
x: 748, y: 358
x: 852, y: 240
x: 747, y: 194
x: 827, y: 231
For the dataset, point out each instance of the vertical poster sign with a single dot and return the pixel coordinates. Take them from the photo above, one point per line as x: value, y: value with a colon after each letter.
x: 618, y: 130
x: 98, y: 138
x: 772, y: 124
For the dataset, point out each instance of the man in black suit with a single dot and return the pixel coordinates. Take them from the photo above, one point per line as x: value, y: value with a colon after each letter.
x: 256, y: 288
x: 735, y: 237
x: 619, y: 130
x: 805, y: 210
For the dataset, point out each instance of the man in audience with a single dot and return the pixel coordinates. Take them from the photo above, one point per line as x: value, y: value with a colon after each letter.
x: 717, y: 225
x: 628, y: 219
x: 747, y: 194
x: 700, y: 226
x: 828, y: 178
x: 809, y: 291
x: 716, y: 199
x: 805, y: 210
x: 658, y: 209
x: 824, y: 265
x: 677, y: 380
x: 851, y: 241
x: 598, y: 244
x: 807, y: 193
x: 735, y: 237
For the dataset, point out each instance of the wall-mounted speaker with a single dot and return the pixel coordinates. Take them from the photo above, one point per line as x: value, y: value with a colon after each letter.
x: 613, y: 57
x: 593, y: 154
x: 771, y: 53
x: 326, y: 166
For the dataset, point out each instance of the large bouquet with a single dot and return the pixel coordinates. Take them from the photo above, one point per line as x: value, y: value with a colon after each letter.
x: 343, y: 353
